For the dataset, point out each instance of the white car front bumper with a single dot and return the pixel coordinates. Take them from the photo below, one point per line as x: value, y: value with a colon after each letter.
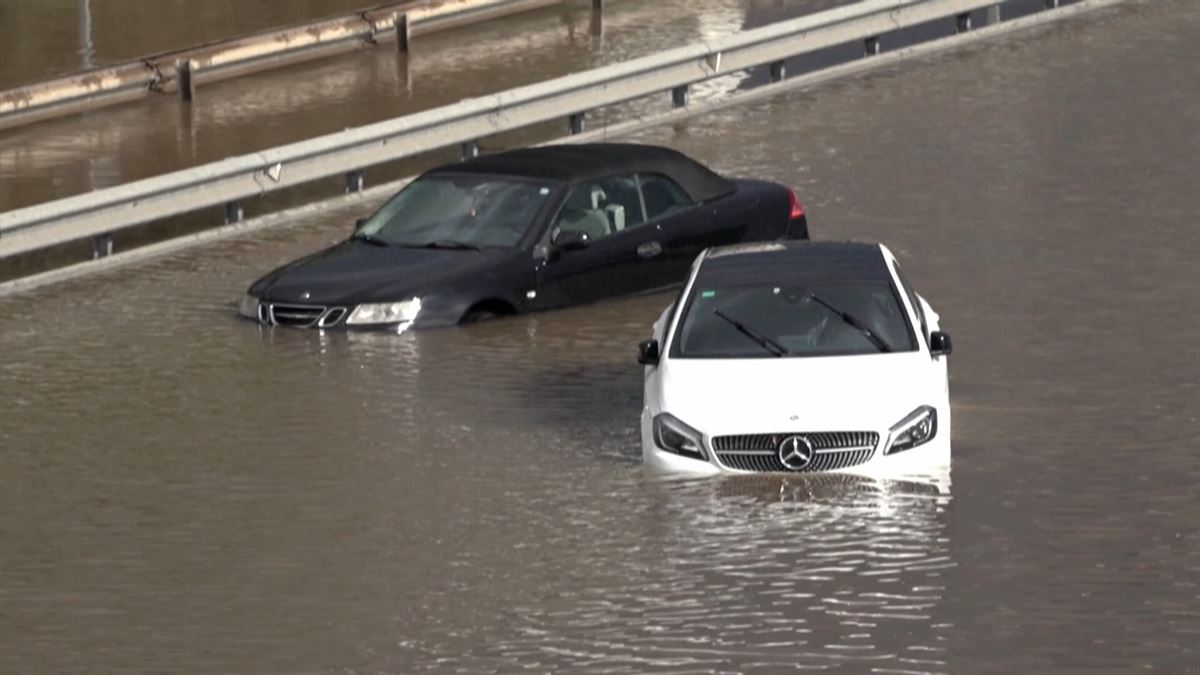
x: 932, y: 455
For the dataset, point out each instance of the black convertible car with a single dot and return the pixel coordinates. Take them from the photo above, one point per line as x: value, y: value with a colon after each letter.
x: 524, y: 230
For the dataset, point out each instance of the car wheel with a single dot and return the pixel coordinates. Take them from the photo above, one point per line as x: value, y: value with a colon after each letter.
x: 476, y: 315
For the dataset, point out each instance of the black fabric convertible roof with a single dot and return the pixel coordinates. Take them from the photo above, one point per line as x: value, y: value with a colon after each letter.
x: 575, y: 163
x: 795, y: 262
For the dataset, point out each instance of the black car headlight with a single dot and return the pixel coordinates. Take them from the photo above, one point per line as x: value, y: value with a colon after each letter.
x: 672, y: 435
x: 917, y: 428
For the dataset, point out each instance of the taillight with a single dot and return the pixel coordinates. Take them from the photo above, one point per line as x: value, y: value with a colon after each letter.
x: 797, y: 209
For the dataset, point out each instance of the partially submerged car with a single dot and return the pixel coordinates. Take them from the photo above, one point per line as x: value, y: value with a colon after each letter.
x: 530, y: 229
x: 796, y: 357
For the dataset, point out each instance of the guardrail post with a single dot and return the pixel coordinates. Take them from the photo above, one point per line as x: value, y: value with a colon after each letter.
x: 102, y: 246
x: 576, y: 123
x: 871, y: 46
x: 679, y: 96
x: 187, y: 86
x: 598, y: 5
x: 962, y: 22
x: 234, y: 213
x: 404, y: 76
x: 403, y: 33
x: 469, y: 150
x: 596, y: 23
x: 993, y: 14
x: 778, y: 71
x: 355, y: 181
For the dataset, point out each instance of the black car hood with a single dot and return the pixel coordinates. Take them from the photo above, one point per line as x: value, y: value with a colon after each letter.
x: 356, y: 271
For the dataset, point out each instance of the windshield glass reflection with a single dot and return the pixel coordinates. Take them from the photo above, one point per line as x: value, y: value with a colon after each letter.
x: 742, y: 321
x: 458, y: 211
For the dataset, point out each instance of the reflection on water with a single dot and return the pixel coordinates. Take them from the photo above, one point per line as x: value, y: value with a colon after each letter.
x: 739, y: 574
x: 183, y: 490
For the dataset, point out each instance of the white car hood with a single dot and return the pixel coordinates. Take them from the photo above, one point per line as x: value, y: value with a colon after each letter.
x: 767, y: 395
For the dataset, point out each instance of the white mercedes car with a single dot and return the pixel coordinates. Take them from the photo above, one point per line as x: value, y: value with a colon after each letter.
x: 796, y: 357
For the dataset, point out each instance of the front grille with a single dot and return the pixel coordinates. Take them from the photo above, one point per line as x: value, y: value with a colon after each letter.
x: 301, y: 316
x: 760, y: 452
x: 820, y: 440
x: 332, y: 317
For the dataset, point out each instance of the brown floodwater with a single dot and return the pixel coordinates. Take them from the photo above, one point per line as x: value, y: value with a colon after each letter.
x: 184, y: 491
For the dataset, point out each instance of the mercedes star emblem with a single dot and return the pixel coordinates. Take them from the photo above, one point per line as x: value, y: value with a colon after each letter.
x: 796, y: 453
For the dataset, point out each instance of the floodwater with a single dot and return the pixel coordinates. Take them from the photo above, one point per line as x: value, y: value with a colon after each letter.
x: 110, y: 146
x: 185, y: 491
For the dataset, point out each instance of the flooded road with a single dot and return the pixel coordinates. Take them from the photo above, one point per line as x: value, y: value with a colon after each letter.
x: 116, y: 145
x: 181, y: 490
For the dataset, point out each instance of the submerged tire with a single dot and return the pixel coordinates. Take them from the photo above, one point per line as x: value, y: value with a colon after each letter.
x: 475, y: 316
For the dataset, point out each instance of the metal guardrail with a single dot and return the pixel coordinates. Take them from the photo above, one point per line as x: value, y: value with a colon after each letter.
x: 184, y: 70
x: 347, y: 153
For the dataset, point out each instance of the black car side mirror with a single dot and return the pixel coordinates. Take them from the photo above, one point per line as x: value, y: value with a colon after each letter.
x: 571, y: 240
x: 648, y: 353
x: 939, y: 343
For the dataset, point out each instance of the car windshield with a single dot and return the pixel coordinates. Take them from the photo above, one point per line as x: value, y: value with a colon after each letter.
x: 763, y: 320
x: 458, y: 211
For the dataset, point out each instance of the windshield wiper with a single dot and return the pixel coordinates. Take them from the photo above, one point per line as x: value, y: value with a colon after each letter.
x: 451, y: 244
x: 763, y: 341
x: 372, y: 239
x: 853, y: 323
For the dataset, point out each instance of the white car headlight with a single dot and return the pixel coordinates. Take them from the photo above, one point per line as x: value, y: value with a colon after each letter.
x: 249, y: 307
x: 385, y: 312
x: 917, y: 428
x: 672, y: 435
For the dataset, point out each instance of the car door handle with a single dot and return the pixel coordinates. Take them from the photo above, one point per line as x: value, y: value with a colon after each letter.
x: 649, y: 249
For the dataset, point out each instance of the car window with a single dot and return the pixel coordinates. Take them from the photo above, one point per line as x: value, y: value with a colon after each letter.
x: 600, y: 208
x: 469, y: 209
x: 916, y: 303
x: 662, y: 196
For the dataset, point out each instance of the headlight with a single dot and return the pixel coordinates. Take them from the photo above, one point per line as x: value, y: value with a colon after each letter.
x: 385, y: 312
x: 674, y: 436
x: 249, y: 307
x: 918, y: 428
